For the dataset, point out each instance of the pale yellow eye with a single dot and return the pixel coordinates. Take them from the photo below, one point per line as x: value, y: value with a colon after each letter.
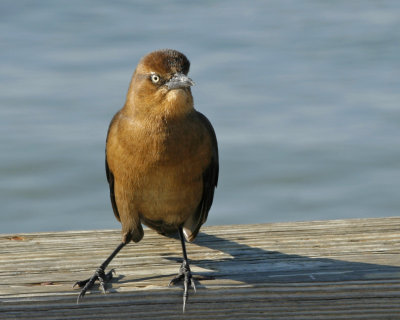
x: 155, y: 78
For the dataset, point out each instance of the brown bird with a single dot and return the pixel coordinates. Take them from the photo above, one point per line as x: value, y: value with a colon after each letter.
x: 161, y: 160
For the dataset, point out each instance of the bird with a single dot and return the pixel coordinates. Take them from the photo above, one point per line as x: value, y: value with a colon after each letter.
x: 161, y: 161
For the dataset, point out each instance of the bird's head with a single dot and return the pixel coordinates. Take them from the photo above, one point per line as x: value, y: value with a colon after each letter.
x: 160, y: 85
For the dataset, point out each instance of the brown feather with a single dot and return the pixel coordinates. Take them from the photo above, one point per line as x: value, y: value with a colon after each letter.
x: 161, y: 154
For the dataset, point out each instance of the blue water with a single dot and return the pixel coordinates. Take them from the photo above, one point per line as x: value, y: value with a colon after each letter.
x: 304, y: 97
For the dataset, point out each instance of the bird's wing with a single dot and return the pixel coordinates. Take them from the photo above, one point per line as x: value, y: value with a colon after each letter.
x: 110, y: 177
x: 210, y: 180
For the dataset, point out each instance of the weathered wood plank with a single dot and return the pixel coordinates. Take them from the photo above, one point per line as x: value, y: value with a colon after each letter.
x: 337, y: 269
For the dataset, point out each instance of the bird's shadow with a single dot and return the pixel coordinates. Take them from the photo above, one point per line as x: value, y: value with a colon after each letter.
x: 250, y: 265
x: 245, y: 264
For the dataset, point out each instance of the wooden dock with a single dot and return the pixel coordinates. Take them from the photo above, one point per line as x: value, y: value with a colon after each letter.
x: 340, y: 269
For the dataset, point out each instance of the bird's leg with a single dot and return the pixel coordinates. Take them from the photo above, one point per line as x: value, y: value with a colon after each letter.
x: 99, y: 274
x: 184, y: 274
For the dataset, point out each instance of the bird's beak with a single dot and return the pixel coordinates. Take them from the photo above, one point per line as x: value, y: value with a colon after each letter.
x: 179, y: 81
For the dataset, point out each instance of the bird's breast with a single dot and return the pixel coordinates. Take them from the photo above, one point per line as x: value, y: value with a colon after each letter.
x: 161, y: 170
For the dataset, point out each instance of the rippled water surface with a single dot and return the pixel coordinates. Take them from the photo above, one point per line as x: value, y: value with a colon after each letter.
x: 304, y: 97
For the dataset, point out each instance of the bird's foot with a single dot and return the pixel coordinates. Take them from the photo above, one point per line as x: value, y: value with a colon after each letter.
x: 184, y: 275
x: 88, y: 283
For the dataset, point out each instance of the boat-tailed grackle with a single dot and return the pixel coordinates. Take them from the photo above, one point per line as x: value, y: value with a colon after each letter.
x: 161, y: 160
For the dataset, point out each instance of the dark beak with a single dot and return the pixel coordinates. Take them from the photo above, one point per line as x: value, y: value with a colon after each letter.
x: 179, y: 81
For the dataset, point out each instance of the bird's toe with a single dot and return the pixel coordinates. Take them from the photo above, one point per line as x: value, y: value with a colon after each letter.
x: 185, y: 276
x: 87, y: 284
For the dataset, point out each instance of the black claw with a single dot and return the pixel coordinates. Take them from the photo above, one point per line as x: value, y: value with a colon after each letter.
x: 193, y: 285
x: 184, y: 275
x: 80, y: 284
x: 99, y: 275
x: 109, y: 274
x: 88, y: 283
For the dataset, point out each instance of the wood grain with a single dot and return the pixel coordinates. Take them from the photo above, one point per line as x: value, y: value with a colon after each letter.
x: 340, y: 269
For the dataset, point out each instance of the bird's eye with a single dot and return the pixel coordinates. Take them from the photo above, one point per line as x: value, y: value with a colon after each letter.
x: 155, y: 78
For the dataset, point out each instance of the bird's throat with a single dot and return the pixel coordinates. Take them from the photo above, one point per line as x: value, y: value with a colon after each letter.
x: 178, y: 102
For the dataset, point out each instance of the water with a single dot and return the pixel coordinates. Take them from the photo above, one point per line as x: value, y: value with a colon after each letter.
x: 304, y: 97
